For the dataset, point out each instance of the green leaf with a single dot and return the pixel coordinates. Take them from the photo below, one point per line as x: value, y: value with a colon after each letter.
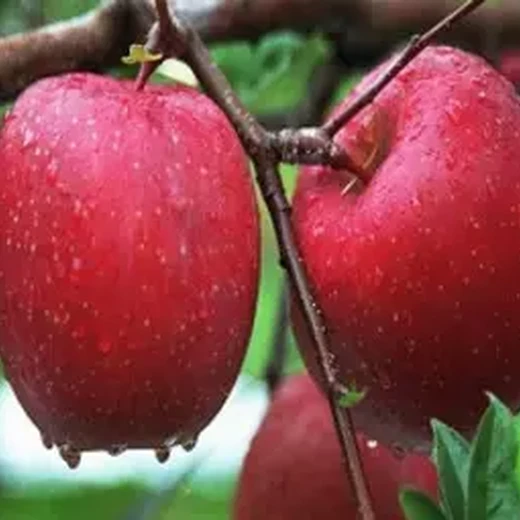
x: 517, y: 424
x: 4, y: 109
x: 272, y: 75
x: 81, y: 502
x: 492, y: 493
x: 351, y: 396
x: 418, y: 506
x: 238, y: 63
x: 287, y: 65
x: 451, y: 456
x: 59, y: 10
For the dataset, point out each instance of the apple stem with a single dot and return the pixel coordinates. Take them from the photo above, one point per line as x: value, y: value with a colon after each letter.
x: 148, y: 67
x: 161, y: 35
x: 145, y: 71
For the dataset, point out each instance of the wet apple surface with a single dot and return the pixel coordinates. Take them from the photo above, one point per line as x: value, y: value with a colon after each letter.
x: 417, y: 272
x: 129, y: 259
x: 293, y: 470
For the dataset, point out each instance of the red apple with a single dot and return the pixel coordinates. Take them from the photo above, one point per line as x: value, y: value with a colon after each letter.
x: 129, y: 257
x: 418, y: 271
x: 293, y: 470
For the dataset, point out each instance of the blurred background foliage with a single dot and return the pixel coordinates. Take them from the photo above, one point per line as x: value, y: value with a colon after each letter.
x: 270, y: 75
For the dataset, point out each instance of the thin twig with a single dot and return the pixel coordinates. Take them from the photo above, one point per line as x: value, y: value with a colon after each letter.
x: 268, y: 178
x: 158, y: 37
x: 414, y: 47
x: 98, y: 40
x: 92, y: 41
x: 149, y: 67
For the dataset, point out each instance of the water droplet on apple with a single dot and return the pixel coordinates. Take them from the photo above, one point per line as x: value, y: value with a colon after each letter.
x: 52, y: 176
x: 162, y: 454
x: 70, y: 455
x: 372, y: 444
x: 105, y: 346
x: 77, y: 263
x: 189, y: 444
x: 318, y: 230
x: 171, y: 442
x: 398, y: 451
x: 46, y: 440
x: 117, y: 449
x: 384, y: 380
x: 451, y: 160
x: 28, y: 138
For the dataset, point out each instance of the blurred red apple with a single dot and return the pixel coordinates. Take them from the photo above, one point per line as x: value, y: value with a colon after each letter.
x: 417, y: 272
x: 129, y: 259
x: 293, y: 470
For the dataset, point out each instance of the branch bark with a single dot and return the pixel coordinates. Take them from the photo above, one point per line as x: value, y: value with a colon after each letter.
x: 95, y: 40
x: 368, y: 27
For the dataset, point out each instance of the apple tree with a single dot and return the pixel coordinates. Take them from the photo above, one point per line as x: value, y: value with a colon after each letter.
x: 133, y: 240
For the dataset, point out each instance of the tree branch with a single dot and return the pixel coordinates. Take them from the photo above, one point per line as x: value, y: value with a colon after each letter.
x: 97, y: 39
x: 369, y: 28
x: 385, y: 21
x: 269, y: 181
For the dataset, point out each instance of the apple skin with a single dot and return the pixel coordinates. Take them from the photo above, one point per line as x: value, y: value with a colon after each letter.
x: 417, y: 273
x: 293, y: 470
x: 129, y: 258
